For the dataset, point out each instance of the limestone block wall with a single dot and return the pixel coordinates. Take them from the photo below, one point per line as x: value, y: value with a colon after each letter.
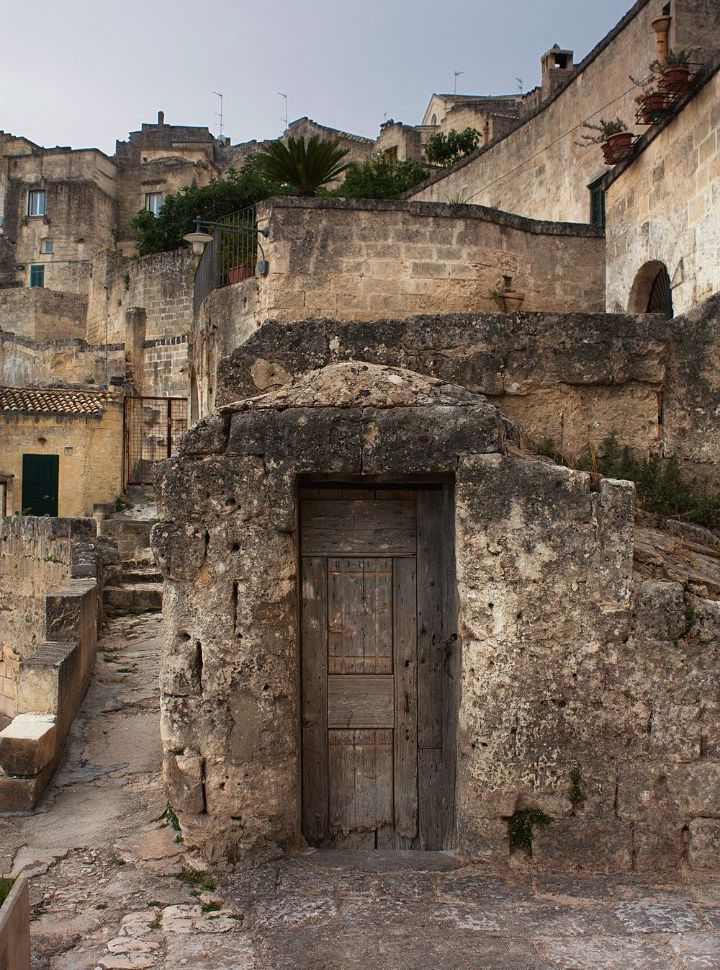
x: 161, y: 284
x: 661, y: 208
x: 35, y: 557
x: 166, y: 367
x: 90, y: 450
x: 613, y: 685
x: 35, y: 363
x: 48, y: 661
x: 362, y: 259
x: 540, y: 168
x: 42, y: 314
x: 79, y: 214
x: 574, y: 378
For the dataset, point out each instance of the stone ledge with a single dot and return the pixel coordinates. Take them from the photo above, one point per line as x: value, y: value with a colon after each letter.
x: 28, y: 744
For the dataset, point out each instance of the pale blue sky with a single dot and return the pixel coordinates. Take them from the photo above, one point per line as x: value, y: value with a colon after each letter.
x: 85, y: 72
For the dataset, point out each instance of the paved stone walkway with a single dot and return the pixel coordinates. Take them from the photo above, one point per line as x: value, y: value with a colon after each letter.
x: 112, y: 889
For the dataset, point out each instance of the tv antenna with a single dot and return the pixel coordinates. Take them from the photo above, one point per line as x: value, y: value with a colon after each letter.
x: 219, y: 114
x: 285, y: 117
x: 519, y: 82
x: 457, y: 75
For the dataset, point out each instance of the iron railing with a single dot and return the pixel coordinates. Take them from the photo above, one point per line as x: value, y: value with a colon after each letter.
x: 153, y: 428
x: 230, y: 257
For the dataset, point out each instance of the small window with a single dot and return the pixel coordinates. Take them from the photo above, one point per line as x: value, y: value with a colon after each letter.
x: 153, y: 202
x: 36, y: 202
x: 597, y: 203
x: 433, y: 120
x: 46, y: 246
x: 37, y: 275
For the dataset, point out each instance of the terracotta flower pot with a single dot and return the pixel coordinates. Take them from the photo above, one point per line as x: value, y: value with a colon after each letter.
x: 616, y: 147
x: 676, y: 78
x: 653, y: 107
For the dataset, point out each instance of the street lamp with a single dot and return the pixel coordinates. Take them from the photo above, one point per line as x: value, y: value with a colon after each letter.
x: 200, y: 238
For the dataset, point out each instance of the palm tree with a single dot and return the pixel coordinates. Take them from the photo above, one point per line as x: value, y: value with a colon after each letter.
x: 305, y: 166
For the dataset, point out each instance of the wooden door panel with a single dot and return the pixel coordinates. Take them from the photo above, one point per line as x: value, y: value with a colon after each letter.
x: 405, y: 655
x: 314, y: 698
x: 361, y: 780
x: 360, y: 616
x: 359, y: 701
x: 357, y: 528
x: 378, y: 686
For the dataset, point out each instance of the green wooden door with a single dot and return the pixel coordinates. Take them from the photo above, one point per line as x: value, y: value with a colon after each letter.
x: 40, y: 484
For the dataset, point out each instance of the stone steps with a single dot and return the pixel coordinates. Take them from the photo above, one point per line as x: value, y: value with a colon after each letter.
x: 137, y: 597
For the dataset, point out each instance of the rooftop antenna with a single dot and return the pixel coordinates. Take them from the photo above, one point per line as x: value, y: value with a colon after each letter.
x: 519, y: 82
x: 219, y: 114
x: 457, y: 75
x: 285, y: 117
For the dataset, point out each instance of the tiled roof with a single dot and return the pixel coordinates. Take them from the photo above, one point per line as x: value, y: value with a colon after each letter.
x: 51, y: 400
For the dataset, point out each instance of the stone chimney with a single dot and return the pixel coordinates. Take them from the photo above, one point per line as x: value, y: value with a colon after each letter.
x: 557, y: 65
x: 161, y: 117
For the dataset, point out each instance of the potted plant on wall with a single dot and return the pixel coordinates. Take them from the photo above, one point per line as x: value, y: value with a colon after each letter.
x: 675, y: 72
x: 612, y: 136
x: 653, y: 104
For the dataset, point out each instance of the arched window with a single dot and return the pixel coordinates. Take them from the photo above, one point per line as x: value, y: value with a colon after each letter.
x: 651, y: 291
x: 433, y: 120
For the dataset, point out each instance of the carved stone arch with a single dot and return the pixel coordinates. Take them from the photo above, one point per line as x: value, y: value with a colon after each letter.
x: 651, y: 291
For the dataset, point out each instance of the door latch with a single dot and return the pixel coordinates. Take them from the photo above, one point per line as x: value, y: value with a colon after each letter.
x: 443, y: 644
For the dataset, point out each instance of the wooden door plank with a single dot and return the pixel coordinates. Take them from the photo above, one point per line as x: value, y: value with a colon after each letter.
x: 451, y: 676
x: 361, y: 780
x: 359, y: 701
x: 430, y: 620
x: 431, y: 824
x: 357, y: 528
x: 360, y: 616
x: 406, y: 713
x: 314, y: 699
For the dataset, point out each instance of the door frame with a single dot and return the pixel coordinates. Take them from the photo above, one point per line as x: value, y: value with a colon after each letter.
x: 452, y: 698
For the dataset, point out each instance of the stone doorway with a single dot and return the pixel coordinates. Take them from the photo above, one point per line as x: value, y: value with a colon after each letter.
x: 379, y: 661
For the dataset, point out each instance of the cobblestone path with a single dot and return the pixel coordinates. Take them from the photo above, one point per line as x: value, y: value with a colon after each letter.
x: 111, y: 888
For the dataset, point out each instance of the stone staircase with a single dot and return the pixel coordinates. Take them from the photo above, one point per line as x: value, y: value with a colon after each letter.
x: 133, y: 586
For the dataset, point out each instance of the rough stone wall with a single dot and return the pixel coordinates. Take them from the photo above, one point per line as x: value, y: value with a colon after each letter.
x: 161, y: 284
x: 661, y: 207
x: 79, y: 214
x: 42, y: 314
x: 574, y: 378
x: 90, y: 453
x: 224, y: 321
x: 360, y: 259
x: 539, y: 169
x: 35, y: 557
x: 31, y: 363
x: 585, y: 693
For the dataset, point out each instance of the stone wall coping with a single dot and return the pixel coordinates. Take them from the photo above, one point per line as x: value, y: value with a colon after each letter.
x: 700, y: 82
x: 15, y: 926
x: 525, y: 119
x: 441, y: 210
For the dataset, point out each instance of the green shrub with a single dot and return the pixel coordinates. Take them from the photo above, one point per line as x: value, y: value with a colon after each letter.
x: 379, y: 177
x: 5, y: 887
x: 446, y: 149
x: 659, y: 483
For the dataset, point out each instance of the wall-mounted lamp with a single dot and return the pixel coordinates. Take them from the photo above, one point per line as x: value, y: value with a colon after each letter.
x: 200, y: 238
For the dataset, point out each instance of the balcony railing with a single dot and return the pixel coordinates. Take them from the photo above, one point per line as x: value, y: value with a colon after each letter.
x: 230, y: 257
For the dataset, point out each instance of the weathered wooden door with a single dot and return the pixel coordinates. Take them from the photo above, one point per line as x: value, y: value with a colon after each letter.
x: 378, y: 666
x: 40, y: 477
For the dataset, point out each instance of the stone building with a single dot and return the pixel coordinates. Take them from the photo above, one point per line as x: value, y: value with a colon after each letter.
x: 540, y: 167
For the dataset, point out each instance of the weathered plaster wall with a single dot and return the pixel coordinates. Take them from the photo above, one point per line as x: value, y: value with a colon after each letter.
x: 662, y: 207
x: 572, y: 377
x: 31, y: 363
x: 611, y: 682
x: 90, y: 453
x: 540, y: 169
x: 42, y: 314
